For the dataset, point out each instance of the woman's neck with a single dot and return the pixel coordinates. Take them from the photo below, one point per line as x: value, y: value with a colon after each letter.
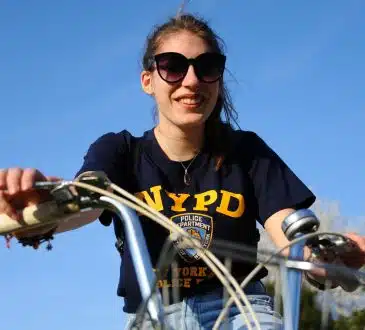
x: 179, y: 144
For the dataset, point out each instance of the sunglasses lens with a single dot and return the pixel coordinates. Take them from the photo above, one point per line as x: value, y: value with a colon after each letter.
x: 172, y: 67
x: 210, y: 66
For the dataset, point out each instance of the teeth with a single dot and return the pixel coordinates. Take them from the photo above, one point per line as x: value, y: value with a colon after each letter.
x: 191, y: 100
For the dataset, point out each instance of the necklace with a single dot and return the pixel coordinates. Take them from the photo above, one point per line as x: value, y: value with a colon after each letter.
x: 187, y: 177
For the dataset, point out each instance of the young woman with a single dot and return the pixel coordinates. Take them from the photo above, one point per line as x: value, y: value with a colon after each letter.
x: 210, y: 179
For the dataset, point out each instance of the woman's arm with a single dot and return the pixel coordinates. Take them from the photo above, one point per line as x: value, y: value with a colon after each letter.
x: 273, y: 227
x: 355, y: 259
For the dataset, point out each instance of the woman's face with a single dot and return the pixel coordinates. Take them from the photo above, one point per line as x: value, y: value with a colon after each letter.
x: 189, y: 102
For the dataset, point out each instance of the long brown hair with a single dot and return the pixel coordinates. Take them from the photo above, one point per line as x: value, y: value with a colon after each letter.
x: 216, y: 127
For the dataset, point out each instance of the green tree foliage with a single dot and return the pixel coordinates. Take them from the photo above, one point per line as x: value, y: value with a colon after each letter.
x: 354, y: 322
x: 310, y: 314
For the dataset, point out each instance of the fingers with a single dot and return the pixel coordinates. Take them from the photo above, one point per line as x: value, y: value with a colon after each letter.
x: 16, y: 189
x: 356, y: 258
x: 13, y: 179
x: 6, y: 207
x: 30, y: 175
x: 3, y: 174
x: 359, y: 240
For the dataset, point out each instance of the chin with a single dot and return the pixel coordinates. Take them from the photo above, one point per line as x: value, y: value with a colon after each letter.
x: 190, y: 121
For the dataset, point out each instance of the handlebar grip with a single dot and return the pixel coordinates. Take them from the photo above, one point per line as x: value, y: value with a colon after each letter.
x: 33, y: 216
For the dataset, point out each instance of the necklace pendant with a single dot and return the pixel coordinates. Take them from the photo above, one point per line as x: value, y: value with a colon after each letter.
x: 187, y: 179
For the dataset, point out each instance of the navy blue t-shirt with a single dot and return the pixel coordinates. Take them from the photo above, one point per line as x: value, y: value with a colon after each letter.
x: 252, y: 184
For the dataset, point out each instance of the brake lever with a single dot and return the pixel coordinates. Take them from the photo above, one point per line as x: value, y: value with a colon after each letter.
x: 333, y: 249
x: 61, y: 192
x: 68, y: 198
x: 328, y: 247
x: 46, y: 185
x: 65, y: 193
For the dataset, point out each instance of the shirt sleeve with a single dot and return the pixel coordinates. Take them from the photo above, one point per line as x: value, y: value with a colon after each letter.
x: 276, y: 187
x: 108, y: 154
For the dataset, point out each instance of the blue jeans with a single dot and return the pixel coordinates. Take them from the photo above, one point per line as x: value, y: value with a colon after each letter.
x: 201, y: 311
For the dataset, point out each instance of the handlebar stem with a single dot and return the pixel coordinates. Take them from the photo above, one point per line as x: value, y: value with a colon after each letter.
x: 295, y: 225
x: 141, y: 259
x: 294, y: 280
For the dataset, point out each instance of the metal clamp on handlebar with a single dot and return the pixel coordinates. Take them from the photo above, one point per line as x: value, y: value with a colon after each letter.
x: 76, y: 198
x: 299, y: 223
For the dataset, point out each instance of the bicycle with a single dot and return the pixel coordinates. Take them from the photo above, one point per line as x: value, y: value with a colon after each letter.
x: 92, y: 191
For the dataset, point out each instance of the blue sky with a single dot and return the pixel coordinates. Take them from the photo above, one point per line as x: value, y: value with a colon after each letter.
x: 69, y: 72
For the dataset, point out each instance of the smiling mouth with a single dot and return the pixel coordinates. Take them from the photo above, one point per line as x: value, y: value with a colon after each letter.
x: 194, y: 101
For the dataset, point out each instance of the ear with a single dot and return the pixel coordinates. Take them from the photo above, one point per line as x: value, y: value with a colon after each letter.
x: 146, y: 82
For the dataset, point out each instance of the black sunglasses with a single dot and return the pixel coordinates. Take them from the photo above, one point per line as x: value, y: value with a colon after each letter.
x: 173, y: 67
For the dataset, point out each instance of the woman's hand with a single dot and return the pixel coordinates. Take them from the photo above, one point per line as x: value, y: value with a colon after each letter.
x: 356, y: 257
x: 16, y: 190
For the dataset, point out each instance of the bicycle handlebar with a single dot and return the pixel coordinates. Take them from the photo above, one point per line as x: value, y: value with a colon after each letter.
x: 68, y: 203
x: 34, y: 216
x: 71, y: 202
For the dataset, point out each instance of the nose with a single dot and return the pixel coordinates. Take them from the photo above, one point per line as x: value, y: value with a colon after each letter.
x: 190, y: 79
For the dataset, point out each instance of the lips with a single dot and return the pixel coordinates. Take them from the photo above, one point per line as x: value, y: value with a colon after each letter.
x: 191, y: 100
